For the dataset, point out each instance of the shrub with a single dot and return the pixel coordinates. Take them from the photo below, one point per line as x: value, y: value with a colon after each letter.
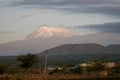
x: 77, y: 70
x: 28, y: 61
x: 3, y: 68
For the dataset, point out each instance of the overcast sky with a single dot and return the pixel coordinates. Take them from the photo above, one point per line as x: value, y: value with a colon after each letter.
x: 18, y: 18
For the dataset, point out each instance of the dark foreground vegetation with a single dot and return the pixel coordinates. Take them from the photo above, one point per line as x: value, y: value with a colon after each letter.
x: 54, y: 77
x: 28, y: 67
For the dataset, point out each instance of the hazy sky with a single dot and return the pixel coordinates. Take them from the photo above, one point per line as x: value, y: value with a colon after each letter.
x: 18, y: 18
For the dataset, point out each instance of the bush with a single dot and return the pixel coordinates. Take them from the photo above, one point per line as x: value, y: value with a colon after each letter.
x: 116, y: 70
x: 3, y: 68
x: 77, y: 70
x: 28, y: 61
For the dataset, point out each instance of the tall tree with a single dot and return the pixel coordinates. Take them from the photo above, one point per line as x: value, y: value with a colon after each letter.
x: 28, y: 61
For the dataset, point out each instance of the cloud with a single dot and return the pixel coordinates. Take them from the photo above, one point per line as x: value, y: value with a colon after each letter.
x: 105, y: 28
x: 65, y: 2
x: 108, y: 7
x: 6, y: 32
x: 25, y: 16
x: 4, y: 3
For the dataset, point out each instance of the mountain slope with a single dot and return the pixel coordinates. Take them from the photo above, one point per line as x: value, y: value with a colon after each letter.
x: 43, y: 42
x: 113, y: 48
x: 75, y: 54
x: 68, y: 49
x: 89, y: 48
x: 47, y: 32
x: 78, y: 53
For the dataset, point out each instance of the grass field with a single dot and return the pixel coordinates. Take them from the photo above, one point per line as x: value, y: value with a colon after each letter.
x: 54, y: 77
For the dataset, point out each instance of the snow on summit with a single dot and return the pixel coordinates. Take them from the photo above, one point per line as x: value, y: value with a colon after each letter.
x: 47, y: 32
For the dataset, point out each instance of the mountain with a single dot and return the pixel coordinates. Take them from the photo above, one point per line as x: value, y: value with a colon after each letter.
x: 66, y: 49
x: 78, y: 53
x: 113, y: 48
x: 47, y: 32
x: 74, y: 54
x: 39, y: 41
x: 90, y: 48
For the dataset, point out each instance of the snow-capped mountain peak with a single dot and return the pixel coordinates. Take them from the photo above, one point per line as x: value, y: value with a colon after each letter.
x: 47, y: 32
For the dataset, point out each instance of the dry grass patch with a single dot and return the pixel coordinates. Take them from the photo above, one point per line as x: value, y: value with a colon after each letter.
x: 53, y: 77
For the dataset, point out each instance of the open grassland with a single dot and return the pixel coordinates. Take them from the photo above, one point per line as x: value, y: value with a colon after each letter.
x: 55, y: 77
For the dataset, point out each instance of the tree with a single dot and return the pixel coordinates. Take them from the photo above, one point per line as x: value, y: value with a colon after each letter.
x: 116, y: 69
x: 28, y: 61
x: 3, y: 68
x: 99, y: 66
x: 77, y: 70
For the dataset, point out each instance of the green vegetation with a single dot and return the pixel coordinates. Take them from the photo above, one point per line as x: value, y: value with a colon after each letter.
x: 3, y: 68
x: 27, y: 67
x: 8, y: 69
x: 77, y: 70
x: 116, y: 69
x: 28, y: 61
x: 98, y: 66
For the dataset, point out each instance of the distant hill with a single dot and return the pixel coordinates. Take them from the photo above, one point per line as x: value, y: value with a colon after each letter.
x: 74, y: 54
x: 82, y: 49
x: 78, y: 53
x: 113, y: 48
